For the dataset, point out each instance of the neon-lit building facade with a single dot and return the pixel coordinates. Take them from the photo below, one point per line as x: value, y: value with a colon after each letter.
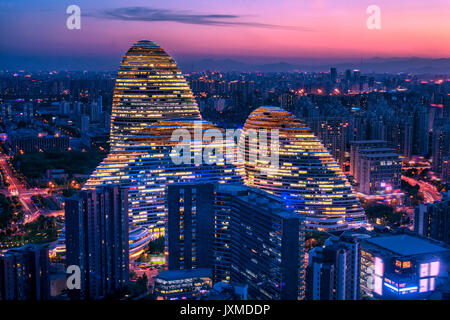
x: 308, y: 178
x: 401, y: 267
x: 149, y: 87
x: 152, y: 99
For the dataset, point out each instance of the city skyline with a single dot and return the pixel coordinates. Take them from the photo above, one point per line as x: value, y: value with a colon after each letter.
x: 258, y: 32
x: 233, y: 150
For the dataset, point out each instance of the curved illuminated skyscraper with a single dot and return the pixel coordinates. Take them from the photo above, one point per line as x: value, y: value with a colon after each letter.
x: 307, y: 178
x: 151, y: 100
x: 149, y: 87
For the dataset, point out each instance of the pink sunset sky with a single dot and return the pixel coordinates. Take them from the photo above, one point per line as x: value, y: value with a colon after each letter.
x: 247, y: 29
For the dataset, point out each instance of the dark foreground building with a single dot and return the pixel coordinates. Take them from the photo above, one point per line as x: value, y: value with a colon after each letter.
x: 97, y: 241
x: 432, y: 220
x: 24, y: 273
x: 267, y: 248
x: 190, y: 226
x: 245, y: 235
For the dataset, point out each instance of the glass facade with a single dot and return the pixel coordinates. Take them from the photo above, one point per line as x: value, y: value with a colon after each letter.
x: 308, y: 178
x: 151, y: 100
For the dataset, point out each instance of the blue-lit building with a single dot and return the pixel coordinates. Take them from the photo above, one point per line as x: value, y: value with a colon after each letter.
x: 401, y: 266
x: 182, y: 284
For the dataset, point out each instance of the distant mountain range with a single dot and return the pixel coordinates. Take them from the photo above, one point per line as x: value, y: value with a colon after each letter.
x: 413, y: 65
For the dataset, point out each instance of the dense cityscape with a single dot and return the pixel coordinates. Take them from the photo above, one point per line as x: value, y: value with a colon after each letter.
x: 385, y: 138
x: 153, y: 183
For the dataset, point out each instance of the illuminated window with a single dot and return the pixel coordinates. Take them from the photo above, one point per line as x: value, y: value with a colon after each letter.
x: 378, y: 285
x: 379, y: 267
x: 431, y: 287
x: 434, y: 268
x: 424, y: 270
x: 423, y: 285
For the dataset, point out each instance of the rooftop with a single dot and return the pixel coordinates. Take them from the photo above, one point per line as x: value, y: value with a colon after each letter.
x: 406, y: 245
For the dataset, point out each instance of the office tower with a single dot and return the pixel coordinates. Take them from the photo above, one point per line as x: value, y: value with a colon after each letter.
x: 401, y: 266
x: 190, y: 225
x: 333, y: 270
x: 97, y: 240
x: 267, y: 247
x: 440, y: 147
x: 151, y: 100
x: 24, y: 273
x: 355, y: 146
x: 333, y: 74
x: 432, y: 220
x: 308, y: 179
x: 378, y: 171
x: 356, y: 75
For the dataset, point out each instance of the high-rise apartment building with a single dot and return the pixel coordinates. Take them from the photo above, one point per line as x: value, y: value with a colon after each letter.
x: 97, y: 240
x: 267, y: 247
